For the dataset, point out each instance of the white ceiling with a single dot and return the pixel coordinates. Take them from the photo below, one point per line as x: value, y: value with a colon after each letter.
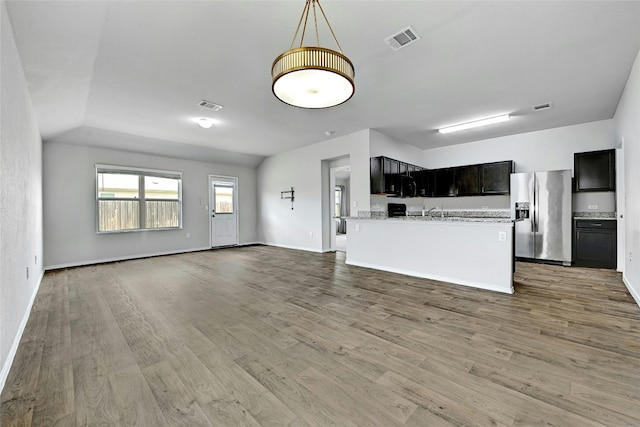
x: 136, y: 70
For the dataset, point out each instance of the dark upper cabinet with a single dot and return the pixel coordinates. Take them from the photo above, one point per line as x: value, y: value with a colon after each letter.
x: 595, y: 171
x: 468, y: 180
x: 385, y: 175
x: 496, y: 177
x: 445, y: 182
x: 391, y: 172
x: 424, y: 182
x: 376, y: 175
x: 389, y: 177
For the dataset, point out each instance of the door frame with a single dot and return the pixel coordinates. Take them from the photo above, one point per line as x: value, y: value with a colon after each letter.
x: 328, y: 174
x: 227, y: 179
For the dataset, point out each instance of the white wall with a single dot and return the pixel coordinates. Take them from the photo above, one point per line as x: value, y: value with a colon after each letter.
x: 21, y: 199
x: 302, y: 169
x: 549, y: 149
x: 69, y: 202
x: 627, y: 127
x: 383, y: 145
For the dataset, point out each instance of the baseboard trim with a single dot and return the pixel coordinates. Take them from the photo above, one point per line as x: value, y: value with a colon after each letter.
x: 485, y: 286
x: 16, y: 340
x: 123, y: 258
x: 297, y: 248
x: 632, y: 291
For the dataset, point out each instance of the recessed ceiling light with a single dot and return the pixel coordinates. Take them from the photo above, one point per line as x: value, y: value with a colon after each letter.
x: 475, y: 124
x: 204, y: 122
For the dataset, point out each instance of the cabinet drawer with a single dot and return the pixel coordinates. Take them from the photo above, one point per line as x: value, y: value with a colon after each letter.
x: 596, y: 224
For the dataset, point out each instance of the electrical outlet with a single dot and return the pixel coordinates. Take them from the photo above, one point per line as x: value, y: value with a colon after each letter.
x: 502, y: 236
x: 355, y: 204
x: 357, y: 227
x: 593, y: 207
x: 311, y: 234
x: 206, y: 207
x: 188, y: 235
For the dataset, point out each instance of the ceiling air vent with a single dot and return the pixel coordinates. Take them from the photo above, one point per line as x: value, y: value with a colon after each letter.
x: 208, y: 105
x: 402, y: 39
x: 541, y: 107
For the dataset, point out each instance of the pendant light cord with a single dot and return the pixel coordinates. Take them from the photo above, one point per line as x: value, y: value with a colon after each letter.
x: 305, y: 17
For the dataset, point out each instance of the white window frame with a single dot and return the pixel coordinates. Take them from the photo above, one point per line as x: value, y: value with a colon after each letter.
x: 141, y: 173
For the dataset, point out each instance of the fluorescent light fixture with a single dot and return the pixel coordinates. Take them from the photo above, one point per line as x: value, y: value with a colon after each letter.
x: 475, y: 124
x: 204, y: 122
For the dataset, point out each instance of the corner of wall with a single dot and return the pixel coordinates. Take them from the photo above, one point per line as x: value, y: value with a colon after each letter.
x: 6, y: 365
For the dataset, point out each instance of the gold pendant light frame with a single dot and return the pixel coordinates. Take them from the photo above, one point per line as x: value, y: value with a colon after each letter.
x: 312, y: 76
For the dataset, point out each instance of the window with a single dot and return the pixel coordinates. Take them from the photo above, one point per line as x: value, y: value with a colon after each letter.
x: 338, y: 202
x: 130, y: 199
x: 223, y: 195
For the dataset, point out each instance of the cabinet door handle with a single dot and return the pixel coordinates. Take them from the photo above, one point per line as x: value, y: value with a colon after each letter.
x: 595, y: 224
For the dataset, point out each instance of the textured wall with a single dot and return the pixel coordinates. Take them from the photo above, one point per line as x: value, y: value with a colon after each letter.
x: 305, y: 227
x: 69, y: 202
x: 20, y: 198
x: 627, y: 124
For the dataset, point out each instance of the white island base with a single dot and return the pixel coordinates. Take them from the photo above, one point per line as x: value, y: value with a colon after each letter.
x: 477, y: 254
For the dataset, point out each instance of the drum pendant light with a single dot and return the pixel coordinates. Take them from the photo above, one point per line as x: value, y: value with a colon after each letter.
x: 312, y: 76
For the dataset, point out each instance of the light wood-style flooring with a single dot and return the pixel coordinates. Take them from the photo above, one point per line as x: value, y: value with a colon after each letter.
x: 276, y: 337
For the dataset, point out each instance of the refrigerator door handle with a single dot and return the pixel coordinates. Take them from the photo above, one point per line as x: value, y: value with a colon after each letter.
x: 536, y: 202
x: 532, y: 215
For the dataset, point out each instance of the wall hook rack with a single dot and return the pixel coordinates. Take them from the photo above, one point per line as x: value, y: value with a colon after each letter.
x: 288, y: 195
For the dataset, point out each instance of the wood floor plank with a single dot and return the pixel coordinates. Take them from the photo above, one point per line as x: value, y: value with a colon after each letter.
x: 179, y: 407
x: 263, y: 405
x: 311, y: 410
x: 450, y: 409
x: 135, y: 401
x: 94, y: 400
x: 346, y: 403
x: 265, y: 336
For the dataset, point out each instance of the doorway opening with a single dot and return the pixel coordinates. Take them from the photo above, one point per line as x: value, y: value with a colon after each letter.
x: 223, y: 203
x: 341, y: 207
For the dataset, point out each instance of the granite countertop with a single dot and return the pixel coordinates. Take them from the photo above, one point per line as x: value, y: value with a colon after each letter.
x: 594, y: 215
x: 483, y: 216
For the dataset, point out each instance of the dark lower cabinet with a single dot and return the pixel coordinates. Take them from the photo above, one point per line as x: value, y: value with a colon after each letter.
x: 595, y: 243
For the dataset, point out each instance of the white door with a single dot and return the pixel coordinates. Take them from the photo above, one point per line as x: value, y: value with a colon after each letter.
x: 224, y: 211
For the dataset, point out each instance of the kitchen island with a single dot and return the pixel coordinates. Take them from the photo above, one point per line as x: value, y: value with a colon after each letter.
x: 476, y: 252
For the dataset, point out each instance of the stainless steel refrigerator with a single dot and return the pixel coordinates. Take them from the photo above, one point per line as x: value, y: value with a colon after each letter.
x: 541, y: 208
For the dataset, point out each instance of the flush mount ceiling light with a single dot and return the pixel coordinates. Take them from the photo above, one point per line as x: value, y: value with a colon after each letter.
x: 312, y: 76
x: 204, y: 122
x: 475, y: 124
